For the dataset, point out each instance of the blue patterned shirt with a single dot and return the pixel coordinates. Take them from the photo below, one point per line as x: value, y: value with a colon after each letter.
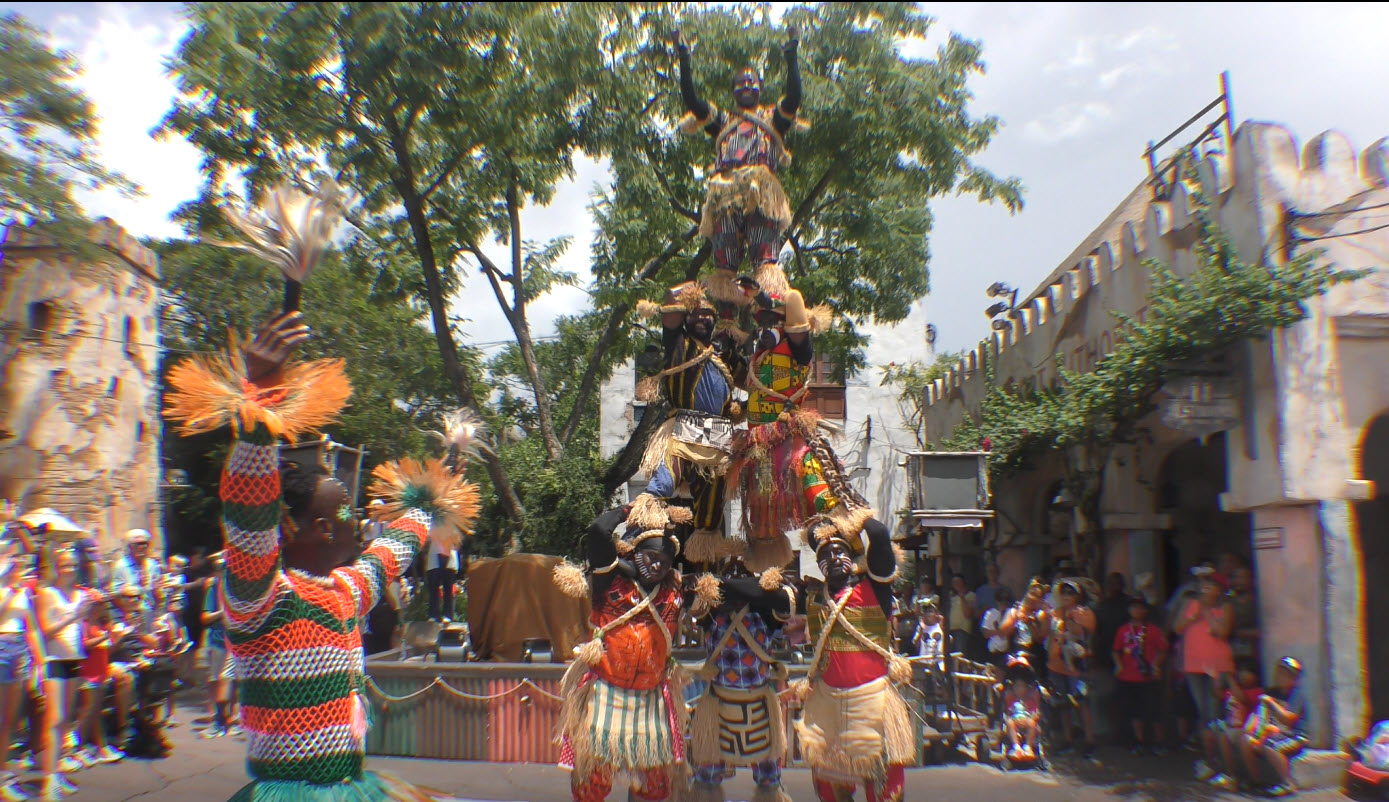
x: 739, y: 667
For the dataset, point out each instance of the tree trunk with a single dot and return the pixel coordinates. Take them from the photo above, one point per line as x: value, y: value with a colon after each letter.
x: 609, y: 336
x: 1085, y: 480
x: 521, y: 326
x: 629, y: 459
x: 438, y: 311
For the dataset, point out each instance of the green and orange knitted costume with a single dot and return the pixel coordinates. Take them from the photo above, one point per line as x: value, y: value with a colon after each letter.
x: 296, y: 641
x: 295, y: 636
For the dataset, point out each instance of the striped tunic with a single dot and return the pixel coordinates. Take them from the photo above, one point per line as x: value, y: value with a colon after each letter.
x: 296, y: 637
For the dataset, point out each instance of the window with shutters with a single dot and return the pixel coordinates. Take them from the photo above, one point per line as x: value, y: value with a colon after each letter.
x: 826, y: 396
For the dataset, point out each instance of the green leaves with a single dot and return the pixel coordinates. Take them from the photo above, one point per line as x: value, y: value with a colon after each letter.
x: 1224, y: 301
x: 47, y: 131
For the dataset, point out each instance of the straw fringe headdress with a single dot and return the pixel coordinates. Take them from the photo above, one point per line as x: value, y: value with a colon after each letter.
x: 431, y: 487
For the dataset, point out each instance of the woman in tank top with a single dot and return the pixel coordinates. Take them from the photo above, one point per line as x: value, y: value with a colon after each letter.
x: 65, y: 606
x: 18, y: 644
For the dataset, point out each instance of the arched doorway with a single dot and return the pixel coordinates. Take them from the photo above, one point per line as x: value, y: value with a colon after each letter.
x: 1190, y: 482
x: 1372, y: 529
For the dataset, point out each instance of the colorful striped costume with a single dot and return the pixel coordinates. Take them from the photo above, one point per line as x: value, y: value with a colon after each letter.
x: 297, y: 643
x: 854, y: 726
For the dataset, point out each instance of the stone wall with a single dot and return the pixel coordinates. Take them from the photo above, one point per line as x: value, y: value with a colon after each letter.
x: 80, y: 393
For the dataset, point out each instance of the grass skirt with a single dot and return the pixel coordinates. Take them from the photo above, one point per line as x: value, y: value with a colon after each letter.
x: 853, y: 733
x: 370, y: 787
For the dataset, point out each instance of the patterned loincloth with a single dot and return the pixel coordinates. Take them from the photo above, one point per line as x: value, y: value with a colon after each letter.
x: 738, y: 727
x: 625, y: 729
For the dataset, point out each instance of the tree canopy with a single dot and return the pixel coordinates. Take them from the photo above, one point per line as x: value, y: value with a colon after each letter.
x: 448, y: 119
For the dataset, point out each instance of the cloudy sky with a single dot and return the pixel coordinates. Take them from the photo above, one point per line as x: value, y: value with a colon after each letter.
x: 1081, y: 89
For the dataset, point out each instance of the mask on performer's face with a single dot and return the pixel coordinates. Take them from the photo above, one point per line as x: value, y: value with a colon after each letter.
x: 747, y: 89
x: 653, y: 565
x: 836, y: 563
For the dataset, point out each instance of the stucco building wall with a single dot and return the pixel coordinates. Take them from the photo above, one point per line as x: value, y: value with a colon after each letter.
x: 1307, y: 395
x: 80, y: 395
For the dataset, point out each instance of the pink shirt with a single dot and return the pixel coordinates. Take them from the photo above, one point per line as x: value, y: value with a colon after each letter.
x: 1203, y: 652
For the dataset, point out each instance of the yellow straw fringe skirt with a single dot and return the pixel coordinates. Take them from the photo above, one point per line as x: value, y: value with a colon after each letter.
x: 854, y: 733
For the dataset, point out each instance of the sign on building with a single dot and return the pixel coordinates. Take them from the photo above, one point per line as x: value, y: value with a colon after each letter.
x: 1201, y: 405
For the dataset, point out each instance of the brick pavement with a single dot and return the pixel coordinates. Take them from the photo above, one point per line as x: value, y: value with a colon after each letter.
x: 212, y: 770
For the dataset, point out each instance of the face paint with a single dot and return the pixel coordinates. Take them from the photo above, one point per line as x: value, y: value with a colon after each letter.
x: 344, y: 513
x: 652, y: 566
x: 747, y: 89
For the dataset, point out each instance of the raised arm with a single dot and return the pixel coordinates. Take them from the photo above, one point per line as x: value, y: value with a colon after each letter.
x: 882, y: 563
x: 389, y: 555
x: 693, y: 103
x: 250, y: 489
x: 775, y: 605
x: 791, y: 101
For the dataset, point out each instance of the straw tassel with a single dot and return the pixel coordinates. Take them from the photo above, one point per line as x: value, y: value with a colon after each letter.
x: 772, y: 278
x: 708, y: 592
x: 704, y: 546
x: 570, y: 580
x: 590, y: 653
x: 647, y: 309
x: 704, y: 741
x: 722, y: 286
x: 763, y: 554
x: 647, y: 512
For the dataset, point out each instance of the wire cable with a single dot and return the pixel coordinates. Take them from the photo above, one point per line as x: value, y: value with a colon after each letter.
x: 1341, y: 213
x: 1342, y: 234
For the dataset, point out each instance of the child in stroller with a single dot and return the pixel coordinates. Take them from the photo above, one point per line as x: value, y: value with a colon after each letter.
x: 1022, y: 714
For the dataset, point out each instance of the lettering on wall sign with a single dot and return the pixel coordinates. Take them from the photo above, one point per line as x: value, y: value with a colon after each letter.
x: 1268, y: 538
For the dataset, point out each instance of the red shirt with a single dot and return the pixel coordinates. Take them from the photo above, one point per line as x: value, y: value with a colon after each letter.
x: 635, y: 654
x: 98, y: 660
x: 849, y: 669
x: 1136, y: 645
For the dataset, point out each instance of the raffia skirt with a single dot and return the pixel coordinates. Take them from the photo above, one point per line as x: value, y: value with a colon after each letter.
x: 370, y: 787
x: 853, y: 733
x: 602, y: 724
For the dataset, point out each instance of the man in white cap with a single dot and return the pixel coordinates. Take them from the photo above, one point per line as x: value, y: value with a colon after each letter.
x: 135, y: 567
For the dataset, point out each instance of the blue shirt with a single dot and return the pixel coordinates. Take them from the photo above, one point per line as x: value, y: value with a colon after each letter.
x: 1296, y: 703
x: 217, y: 630
x: 711, y: 393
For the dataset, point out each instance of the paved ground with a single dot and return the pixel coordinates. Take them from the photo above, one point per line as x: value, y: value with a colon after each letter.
x: 212, y: 770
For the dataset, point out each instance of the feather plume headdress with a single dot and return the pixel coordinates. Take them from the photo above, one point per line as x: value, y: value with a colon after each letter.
x: 430, y: 487
x: 209, y: 391
x: 460, y: 434
x: 292, y: 230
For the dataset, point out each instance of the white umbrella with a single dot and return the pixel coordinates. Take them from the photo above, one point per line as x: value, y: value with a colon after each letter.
x: 51, y: 522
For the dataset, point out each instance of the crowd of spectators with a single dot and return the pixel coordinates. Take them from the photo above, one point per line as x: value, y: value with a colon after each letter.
x: 1118, y: 657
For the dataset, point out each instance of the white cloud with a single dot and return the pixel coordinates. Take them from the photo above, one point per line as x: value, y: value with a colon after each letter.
x: 1070, y: 121
x: 123, y: 74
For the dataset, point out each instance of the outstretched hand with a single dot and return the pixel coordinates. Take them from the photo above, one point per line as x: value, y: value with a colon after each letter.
x: 792, y: 40
x: 274, y: 342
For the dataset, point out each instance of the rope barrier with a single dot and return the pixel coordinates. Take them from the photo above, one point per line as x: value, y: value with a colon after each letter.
x: 457, y: 694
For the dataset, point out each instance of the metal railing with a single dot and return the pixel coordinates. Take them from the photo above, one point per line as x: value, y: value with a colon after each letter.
x: 1163, y: 175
